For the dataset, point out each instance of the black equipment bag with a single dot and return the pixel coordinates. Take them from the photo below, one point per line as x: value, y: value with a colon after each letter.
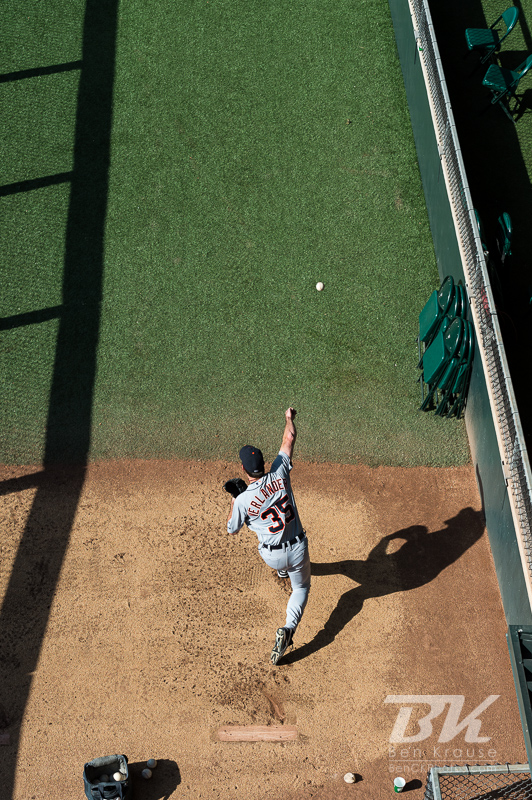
x: 110, y: 789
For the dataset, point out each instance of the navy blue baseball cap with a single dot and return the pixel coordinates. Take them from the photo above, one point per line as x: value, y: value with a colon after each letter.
x: 252, y: 459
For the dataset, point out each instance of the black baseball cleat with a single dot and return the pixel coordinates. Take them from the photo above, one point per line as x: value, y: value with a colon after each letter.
x: 282, y: 573
x: 283, y: 640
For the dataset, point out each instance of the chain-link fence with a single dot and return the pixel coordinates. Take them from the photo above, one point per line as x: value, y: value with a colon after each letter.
x: 512, y: 447
x: 490, y: 782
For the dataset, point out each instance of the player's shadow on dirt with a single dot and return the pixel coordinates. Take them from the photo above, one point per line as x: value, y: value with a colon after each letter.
x: 420, y: 558
x: 161, y: 786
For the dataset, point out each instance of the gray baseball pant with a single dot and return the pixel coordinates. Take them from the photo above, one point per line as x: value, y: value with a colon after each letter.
x: 296, y: 560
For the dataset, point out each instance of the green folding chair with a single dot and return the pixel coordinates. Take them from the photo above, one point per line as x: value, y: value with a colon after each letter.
x: 438, y: 358
x: 504, y: 236
x: 462, y: 306
x: 452, y: 382
x: 452, y: 302
x: 481, y: 234
x: 503, y: 83
x: 434, y: 312
x: 458, y: 304
x: 461, y: 386
x: 488, y: 41
x: 447, y: 379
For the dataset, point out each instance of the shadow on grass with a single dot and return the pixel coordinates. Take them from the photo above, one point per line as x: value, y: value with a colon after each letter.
x: 523, y: 23
x: 35, y: 183
x: 492, y: 149
x: 36, y: 72
x: 418, y: 560
x: 33, y: 580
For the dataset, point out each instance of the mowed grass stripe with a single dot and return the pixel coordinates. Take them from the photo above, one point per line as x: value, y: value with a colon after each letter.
x: 236, y: 183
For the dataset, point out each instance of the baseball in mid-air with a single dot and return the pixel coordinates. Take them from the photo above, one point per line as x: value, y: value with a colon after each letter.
x: 118, y: 776
x: 349, y: 777
x: 152, y: 763
x: 146, y: 773
x: 319, y: 286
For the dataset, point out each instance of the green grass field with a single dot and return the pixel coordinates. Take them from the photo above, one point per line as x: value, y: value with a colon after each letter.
x: 235, y: 184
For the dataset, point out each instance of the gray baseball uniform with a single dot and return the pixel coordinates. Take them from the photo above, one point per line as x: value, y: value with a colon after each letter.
x: 269, y: 509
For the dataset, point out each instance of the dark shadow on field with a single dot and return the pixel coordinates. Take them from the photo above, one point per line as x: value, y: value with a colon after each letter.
x: 163, y: 783
x: 35, y: 183
x: 30, y: 592
x: 496, y: 171
x: 417, y: 561
x: 525, y: 30
x: 36, y: 72
x: 30, y: 318
x: 412, y: 785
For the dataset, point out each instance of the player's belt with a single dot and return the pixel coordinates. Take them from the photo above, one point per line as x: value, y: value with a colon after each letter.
x: 280, y: 546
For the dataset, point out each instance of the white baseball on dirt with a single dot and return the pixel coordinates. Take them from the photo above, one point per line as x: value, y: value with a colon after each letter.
x: 319, y: 286
x: 118, y: 776
x: 152, y: 763
x: 349, y: 777
x: 146, y: 773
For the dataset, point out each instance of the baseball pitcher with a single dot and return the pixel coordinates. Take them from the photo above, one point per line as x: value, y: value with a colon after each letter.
x: 267, y: 506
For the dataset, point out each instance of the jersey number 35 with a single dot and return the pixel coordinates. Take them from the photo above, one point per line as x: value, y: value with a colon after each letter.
x: 281, y: 514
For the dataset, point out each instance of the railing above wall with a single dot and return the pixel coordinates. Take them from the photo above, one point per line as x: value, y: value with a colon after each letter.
x: 512, y: 449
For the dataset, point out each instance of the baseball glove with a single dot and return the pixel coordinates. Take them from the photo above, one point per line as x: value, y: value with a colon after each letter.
x: 235, y: 486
